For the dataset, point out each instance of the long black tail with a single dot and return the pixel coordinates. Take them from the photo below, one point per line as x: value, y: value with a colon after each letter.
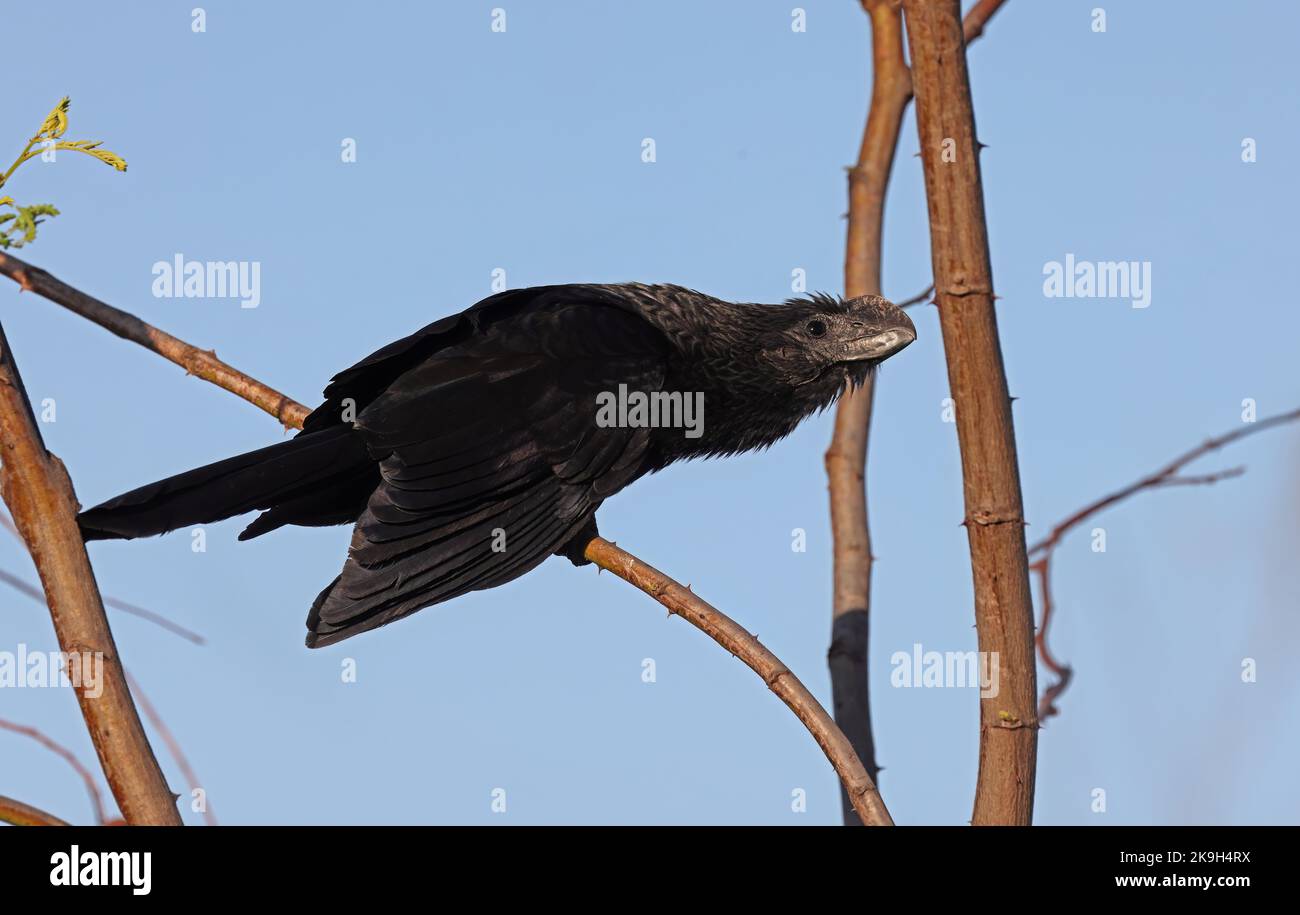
x: 314, y: 479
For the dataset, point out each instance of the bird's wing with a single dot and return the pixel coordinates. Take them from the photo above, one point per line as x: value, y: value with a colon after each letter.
x: 490, y: 459
x: 354, y: 388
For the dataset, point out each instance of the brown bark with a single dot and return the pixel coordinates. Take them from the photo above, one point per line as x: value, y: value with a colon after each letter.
x: 681, y: 601
x: 846, y: 458
x: 197, y: 362
x: 891, y: 90
x: 978, y: 386
x: 16, y: 813
x: 39, y: 494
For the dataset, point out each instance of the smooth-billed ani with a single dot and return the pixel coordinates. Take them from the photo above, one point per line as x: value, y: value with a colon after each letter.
x: 468, y: 452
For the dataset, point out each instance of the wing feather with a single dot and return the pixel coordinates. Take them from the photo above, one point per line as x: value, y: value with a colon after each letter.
x: 489, y: 457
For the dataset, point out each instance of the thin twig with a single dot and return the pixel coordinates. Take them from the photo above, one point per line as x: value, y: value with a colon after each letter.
x: 173, y: 746
x: 156, y: 618
x: 1064, y: 673
x: 16, y: 813
x: 150, y: 712
x: 1160, y: 477
x: 681, y: 601
x: 36, y: 487
x: 96, y: 798
x: 923, y: 296
x: 202, y: 364
x: 977, y: 17
x: 137, y: 690
x: 1044, y: 550
x: 109, y: 601
x: 35, y: 593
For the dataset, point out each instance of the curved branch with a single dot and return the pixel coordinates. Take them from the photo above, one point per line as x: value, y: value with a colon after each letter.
x: 846, y: 457
x: 197, y: 362
x: 16, y: 813
x: 1168, y: 475
x: 681, y: 601
x: 157, y: 619
x: 172, y: 744
x: 1064, y: 672
x: 41, y: 500
x: 717, y: 625
x: 137, y: 691
x: 96, y: 799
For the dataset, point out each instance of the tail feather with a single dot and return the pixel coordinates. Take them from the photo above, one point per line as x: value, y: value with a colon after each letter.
x: 314, y: 476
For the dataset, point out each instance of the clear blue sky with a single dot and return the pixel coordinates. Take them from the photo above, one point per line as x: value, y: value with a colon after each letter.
x: 522, y: 151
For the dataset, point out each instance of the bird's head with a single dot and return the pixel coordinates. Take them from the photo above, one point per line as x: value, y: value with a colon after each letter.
x: 823, y: 340
x: 764, y: 367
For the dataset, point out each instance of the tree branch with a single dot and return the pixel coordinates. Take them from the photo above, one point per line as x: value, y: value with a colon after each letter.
x: 16, y: 813
x: 977, y: 381
x: 977, y: 16
x: 18, y: 584
x: 172, y: 744
x: 202, y: 364
x: 718, y: 626
x: 1165, y: 475
x: 681, y: 601
x: 1044, y: 550
x: 96, y: 799
x: 40, y: 497
x: 917, y: 299
x: 846, y: 458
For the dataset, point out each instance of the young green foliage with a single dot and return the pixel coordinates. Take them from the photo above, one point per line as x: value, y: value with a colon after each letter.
x: 18, y: 228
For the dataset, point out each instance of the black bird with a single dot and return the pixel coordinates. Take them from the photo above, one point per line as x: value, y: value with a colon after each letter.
x: 468, y: 452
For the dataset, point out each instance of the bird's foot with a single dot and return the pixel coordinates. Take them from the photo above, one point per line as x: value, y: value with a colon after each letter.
x: 576, y: 545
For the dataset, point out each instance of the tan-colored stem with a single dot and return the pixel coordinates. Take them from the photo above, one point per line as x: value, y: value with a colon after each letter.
x: 36, y: 487
x: 681, y: 601
x: 977, y: 382
x: 977, y: 16
x: 16, y: 813
x: 891, y: 90
x: 846, y: 458
x: 197, y: 362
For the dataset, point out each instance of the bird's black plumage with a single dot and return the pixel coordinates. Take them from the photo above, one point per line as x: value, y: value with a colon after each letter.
x: 473, y: 449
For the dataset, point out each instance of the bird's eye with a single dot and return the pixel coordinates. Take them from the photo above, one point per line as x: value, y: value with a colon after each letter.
x: 816, y: 328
